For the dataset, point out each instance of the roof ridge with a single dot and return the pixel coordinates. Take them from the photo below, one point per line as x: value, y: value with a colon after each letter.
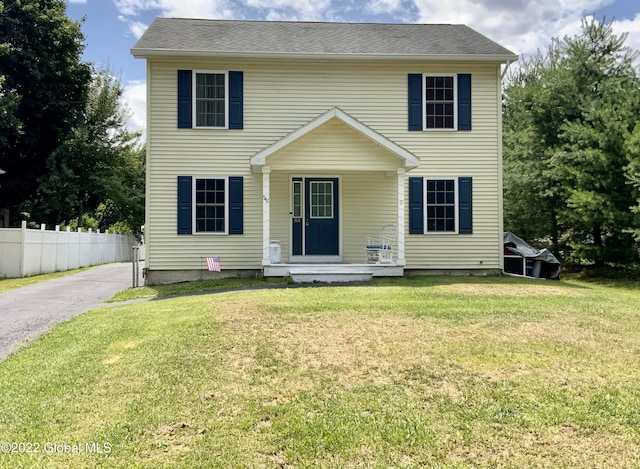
x: 220, y: 20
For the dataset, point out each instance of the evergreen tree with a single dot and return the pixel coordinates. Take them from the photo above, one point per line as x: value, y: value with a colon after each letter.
x: 570, y: 117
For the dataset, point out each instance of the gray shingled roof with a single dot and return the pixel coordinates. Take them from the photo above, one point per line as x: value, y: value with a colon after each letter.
x: 177, y: 36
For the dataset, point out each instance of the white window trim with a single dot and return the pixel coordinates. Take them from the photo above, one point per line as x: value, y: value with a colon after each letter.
x: 226, y: 206
x: 456, y: 209
x: 226, y: 98
x: 424, y: 101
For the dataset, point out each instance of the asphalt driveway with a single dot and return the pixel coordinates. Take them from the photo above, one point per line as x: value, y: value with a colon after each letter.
x: 28, y: 312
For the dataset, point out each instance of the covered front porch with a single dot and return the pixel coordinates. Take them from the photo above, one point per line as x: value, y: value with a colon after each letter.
x: 326, y: 188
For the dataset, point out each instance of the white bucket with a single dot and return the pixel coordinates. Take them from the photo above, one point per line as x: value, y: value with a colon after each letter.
x: 275, y: 251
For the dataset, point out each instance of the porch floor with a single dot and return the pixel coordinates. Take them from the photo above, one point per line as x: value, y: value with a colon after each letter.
x: 332, y: 272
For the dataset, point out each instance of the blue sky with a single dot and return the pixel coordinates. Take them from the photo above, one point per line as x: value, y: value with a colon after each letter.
x: 111, y: 27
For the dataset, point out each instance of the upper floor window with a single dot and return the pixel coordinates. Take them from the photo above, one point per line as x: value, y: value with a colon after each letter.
x: 210, y: 99
x: 440, y: 102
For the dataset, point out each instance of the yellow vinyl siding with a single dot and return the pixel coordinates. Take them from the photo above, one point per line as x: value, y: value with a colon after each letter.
x: 334, y: 145
x: 282, y: 96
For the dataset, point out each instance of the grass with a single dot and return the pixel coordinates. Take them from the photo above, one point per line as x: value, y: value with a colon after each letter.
x: 414, y: 372
x: 7, y: 284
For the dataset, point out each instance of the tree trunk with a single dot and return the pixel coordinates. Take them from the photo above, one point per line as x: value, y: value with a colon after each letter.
x: 597, y: 241
x: 555, y: 235
x: 80, y: 214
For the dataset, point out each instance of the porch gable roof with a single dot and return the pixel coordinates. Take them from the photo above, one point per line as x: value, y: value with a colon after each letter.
x: 408, y: 160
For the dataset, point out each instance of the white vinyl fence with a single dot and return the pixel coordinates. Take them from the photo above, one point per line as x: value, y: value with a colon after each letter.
x: 25, y: 252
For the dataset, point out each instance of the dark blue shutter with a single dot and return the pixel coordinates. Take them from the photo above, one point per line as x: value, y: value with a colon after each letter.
x: 184, y: 204
x: 415, y: 101
x: 464, y: 101
x: 236, y: 100
x: 416, y: 206
x: 465, y: 196
x: 235, y: 205
x: 184, y: 99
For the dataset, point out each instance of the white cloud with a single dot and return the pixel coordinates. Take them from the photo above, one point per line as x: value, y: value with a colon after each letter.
x: 290, y: 9
x: 137, y: 28
x: 133, y: 7
x: 219, y: 9
x: 520, y: 25
x: 135, y: 96
x: 632, y: 27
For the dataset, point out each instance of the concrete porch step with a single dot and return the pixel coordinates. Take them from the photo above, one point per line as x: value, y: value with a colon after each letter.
x: 329, y: 274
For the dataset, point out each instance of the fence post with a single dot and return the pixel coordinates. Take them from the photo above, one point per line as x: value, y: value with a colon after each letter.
x: 43, y: 226
x: 55, y: 249
x: 134, y: 263
x: 68, y: 246
x: 23, y: 242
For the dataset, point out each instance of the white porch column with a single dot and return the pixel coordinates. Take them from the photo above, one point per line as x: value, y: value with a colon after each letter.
x: 266, y: 195
x: 401, y: 215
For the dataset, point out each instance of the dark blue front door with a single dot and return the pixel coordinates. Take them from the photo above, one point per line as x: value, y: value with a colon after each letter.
x: 320, y: 220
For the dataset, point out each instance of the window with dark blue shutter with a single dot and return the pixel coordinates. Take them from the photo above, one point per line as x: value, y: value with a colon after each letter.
x: 184, y: 99
x: 236, y: 100
x: 235, y: 205
x: 218, y: 205
x: 465, y: 205
x: 415, y: 101
x: 442, y: 204
x: 464, y: 101
x: 416, y: 205
x: 216, y: 97
x: 184, y: 204
x: 439, y: 101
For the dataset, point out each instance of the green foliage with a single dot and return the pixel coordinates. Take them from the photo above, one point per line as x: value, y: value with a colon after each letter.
x: 43, y: 91
x: 570, y: 120
x: 99, y: 169
x: 63, y: 140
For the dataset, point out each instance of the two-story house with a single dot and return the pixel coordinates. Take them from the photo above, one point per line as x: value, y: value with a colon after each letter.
x: 317, y: 135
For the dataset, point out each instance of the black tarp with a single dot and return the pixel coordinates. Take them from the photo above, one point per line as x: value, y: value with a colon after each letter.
x: 549, y: 267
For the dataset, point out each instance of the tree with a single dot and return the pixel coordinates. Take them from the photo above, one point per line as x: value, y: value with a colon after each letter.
x: 569, y: 119
x: 99, y: 168
x: 531, y: 184
x: 43, y: 90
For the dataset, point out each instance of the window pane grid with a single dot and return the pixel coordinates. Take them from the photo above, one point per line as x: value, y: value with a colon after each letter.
x: 297, y: 199
x: 210, y: 206
x: 440, y: 102
x: 210, y: 100
x: 441, y: 205
x: 321, y: 199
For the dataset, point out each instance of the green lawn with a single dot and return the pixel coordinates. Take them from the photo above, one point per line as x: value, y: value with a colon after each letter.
x: 415, y: 372
x: 7, y: 284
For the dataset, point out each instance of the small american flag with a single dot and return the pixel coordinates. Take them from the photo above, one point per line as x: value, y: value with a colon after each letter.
x: 213, y: 264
